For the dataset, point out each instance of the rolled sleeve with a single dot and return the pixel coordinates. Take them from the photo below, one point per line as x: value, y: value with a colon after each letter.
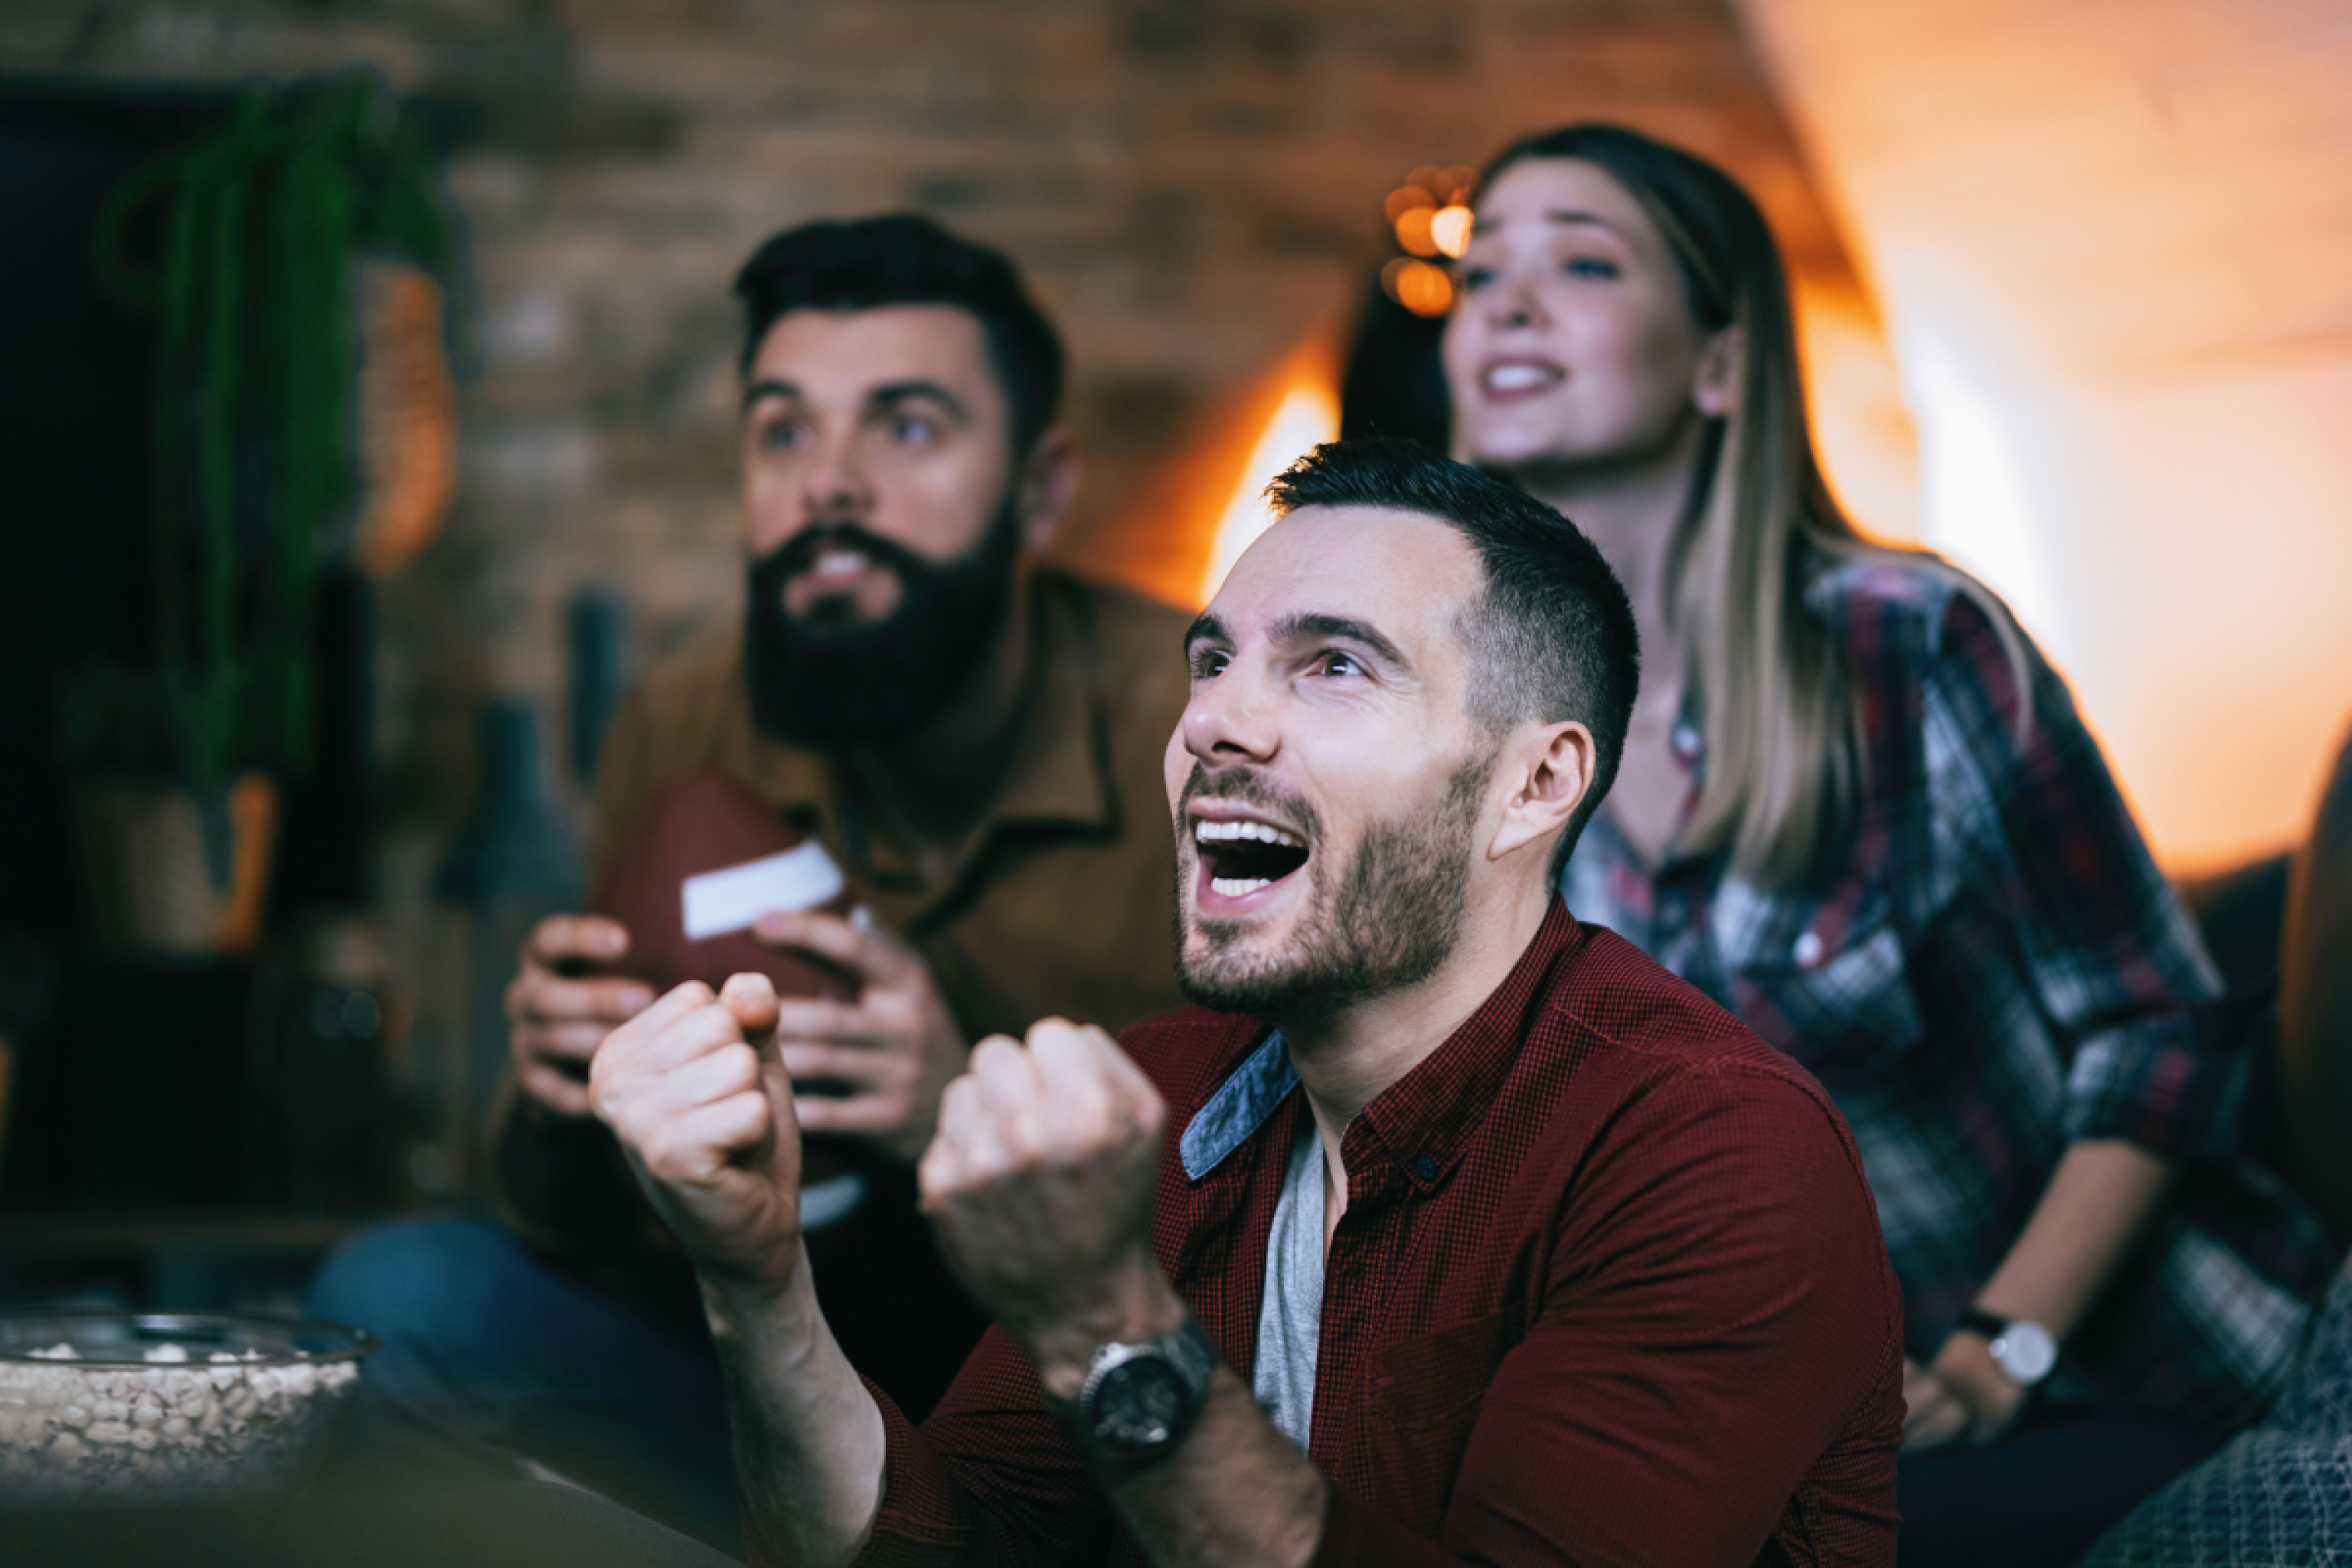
x: 2030, y: 813
x: 2156, y: 1088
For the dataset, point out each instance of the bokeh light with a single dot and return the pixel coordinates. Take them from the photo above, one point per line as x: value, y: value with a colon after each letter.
x: 1449, y: 229
x: 1419, y: 286
x: 1404, y: 198
x: 1430, y: 213
x: 1412, y: 231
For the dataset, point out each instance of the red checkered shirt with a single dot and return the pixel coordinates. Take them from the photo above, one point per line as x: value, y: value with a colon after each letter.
x: 1609, y: 1289
x: 1997, y: 968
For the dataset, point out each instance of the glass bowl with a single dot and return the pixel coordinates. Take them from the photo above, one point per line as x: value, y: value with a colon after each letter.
x: 168, y: 1407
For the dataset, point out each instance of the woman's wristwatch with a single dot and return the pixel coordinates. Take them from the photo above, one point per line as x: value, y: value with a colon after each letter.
x: 2024, y: 1350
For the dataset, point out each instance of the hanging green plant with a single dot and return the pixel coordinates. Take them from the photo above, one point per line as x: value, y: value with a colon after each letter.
x: 244, y: 247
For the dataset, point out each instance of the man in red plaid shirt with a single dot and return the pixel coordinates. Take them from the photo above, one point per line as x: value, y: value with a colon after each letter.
x: 1441, y: 1230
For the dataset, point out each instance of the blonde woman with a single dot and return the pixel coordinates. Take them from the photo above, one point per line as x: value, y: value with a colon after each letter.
x: 1859, y: 809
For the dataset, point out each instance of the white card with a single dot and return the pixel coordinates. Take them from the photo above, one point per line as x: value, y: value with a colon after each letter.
x: 734, y: 898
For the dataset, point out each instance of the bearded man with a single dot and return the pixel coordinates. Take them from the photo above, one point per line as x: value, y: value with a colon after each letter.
x: 1440, y: 1230
x: 973, y: 738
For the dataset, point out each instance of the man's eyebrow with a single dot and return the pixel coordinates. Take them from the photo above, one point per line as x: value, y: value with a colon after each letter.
x: 1302, y: 627
x: 768, y: 387
x: 1205, y: 627
x: 883, y: 396
x: 891, y: 392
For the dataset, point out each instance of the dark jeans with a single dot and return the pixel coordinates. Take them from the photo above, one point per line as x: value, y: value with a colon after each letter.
x: 486, y: 1349
x: 2039, y: 1498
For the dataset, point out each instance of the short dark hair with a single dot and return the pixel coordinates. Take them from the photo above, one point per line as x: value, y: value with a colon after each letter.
x: 903, y: 259
x: 1552, y: 636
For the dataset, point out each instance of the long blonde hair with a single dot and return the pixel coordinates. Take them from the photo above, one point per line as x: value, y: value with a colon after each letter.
x: 1785, y: 765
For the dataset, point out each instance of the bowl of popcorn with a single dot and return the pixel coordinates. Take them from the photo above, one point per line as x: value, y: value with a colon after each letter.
x: 168, y: 1407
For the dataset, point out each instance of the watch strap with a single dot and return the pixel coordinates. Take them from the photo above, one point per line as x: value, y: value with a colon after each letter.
x: 1188, y: 1345
x: 1987, y: 1326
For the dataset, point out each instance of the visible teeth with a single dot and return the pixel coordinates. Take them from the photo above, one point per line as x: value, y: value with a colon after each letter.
x: 1235, y: 887
x: 1517, y: 377
x: 1209, y: 831
x: 841, y: 563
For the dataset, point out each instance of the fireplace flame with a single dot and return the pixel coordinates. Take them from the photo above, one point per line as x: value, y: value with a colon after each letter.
x: 1307, y: 415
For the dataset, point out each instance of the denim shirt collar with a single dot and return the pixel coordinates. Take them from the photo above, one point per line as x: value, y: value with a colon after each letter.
x: 1239, y: 1108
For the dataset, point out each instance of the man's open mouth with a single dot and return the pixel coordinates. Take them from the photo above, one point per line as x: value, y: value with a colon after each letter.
x: 839, y: 563
x: 1243, y: 857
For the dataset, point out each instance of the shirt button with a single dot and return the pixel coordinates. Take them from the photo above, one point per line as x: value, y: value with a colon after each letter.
x: 1425, y: 1168
x: 1808, y: 949
x: 1687, y: 742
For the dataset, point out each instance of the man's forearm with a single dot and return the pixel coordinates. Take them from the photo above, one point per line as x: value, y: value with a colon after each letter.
x: 808, y: 1438
x: 1235, y: 1494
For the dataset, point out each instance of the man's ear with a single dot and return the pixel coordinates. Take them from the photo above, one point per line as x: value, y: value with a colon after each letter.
x: 1550, y: 772
x: 1722, y: 371
x: 1048, y: 487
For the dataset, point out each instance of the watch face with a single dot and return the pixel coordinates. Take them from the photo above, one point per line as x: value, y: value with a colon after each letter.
x: 2025, y: 1352
x: 1141, y: 1404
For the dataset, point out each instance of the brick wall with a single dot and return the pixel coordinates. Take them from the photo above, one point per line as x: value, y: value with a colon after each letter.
x: 1190, y: 184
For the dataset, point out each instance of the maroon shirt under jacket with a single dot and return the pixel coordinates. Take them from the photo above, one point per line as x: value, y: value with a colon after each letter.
x: 1610, y: 1288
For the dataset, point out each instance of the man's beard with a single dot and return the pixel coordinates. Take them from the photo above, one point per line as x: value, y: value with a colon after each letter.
x: 1382, y: 925
x: 827, y: 681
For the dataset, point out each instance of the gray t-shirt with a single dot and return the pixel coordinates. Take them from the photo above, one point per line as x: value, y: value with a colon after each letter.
x: 1290, y: 1314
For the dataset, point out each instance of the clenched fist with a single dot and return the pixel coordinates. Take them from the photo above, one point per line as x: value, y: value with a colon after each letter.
x: 693, y: 1090
x: 1039, y: 1183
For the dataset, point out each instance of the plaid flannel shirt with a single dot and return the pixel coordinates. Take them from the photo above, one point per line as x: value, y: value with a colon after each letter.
x: 1999, y: 969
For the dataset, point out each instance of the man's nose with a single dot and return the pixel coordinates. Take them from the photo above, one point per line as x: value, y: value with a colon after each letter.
x: 836, y: 486
x: 1231, y: 720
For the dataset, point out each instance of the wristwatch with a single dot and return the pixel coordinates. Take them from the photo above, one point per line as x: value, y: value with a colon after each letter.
x: 2024, y: 1350
x: 1140, y: 1399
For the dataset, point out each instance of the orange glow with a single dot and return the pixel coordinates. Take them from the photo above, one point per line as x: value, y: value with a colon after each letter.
x: 1449, y: 229
x: 407, y: 418
x: 2111, y: 248
x: 1403, y: 199
x: 1460, y: 180
x: 1432, y: 179
x: 1424, y: 290
x: 1853, y: 397
x: 1307, y: 415
x: 1412, y: 231
x: 1199, y: 508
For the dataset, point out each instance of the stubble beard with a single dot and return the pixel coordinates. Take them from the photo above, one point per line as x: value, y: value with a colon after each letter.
x: 1384, y: 924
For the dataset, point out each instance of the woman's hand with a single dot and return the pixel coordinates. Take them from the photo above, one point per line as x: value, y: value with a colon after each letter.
x: 1959, y: 1399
